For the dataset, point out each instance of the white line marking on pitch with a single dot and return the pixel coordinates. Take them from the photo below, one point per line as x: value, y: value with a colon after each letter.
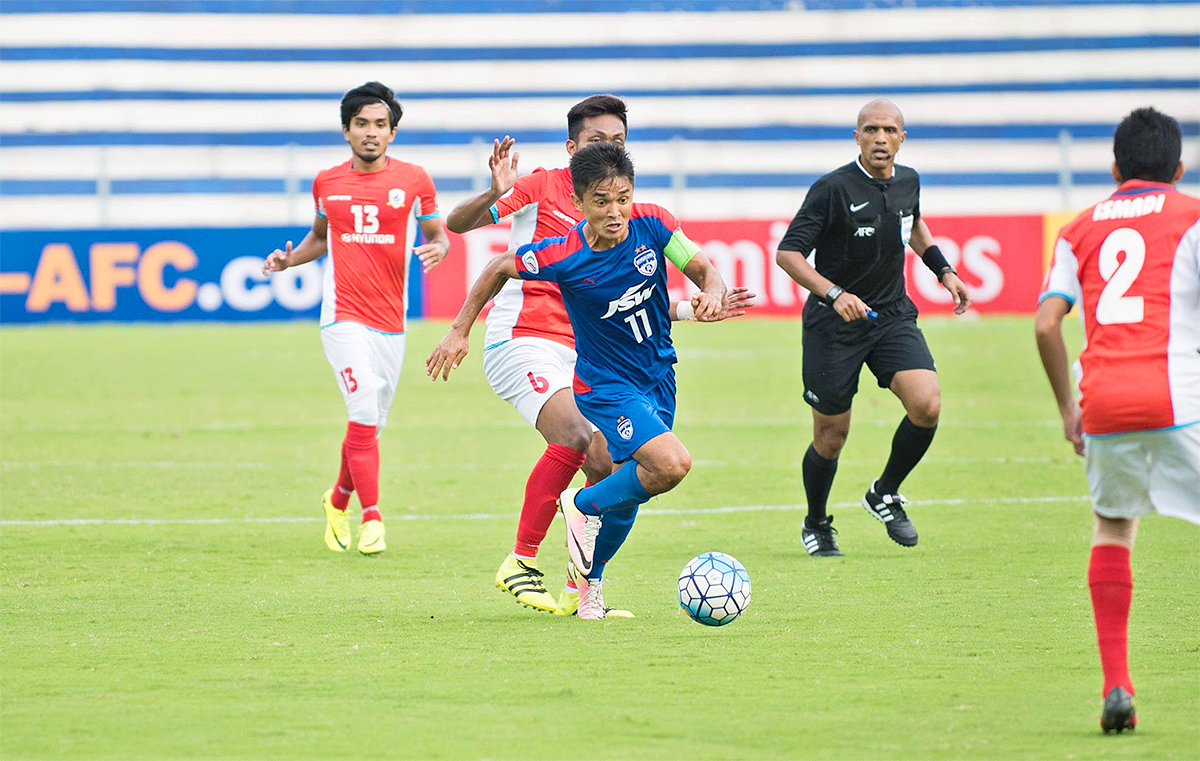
x: 245, y: 465
x: 503, y: 516
x: 1017, y: 460
x: 218, y: 426
x: 153, y: 464
x: 249, y: 465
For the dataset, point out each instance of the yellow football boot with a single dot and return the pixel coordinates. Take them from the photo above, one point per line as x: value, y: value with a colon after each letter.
x: 522, y: 579
x: 337, y: 525
x: 568, y: 599
x: 568, y: 602
x: 371, y: 538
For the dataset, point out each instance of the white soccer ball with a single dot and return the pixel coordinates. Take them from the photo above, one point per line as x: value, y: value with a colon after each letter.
x: 714, y: 588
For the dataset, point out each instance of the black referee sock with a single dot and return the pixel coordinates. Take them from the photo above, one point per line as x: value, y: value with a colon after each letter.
x: 908, y: 447
x: 818, y: 478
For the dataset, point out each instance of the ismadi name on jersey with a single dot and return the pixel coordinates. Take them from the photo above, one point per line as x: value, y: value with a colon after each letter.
x: 1129, y: 208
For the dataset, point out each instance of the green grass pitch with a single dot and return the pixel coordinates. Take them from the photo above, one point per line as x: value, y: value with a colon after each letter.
x: 214, y: 624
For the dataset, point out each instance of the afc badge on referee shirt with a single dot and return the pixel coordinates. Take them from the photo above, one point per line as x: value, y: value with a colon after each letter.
x: 396, y: 198
x: 645, y: 260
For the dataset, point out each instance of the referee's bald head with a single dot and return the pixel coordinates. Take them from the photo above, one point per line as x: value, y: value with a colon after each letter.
x: 881, y: 107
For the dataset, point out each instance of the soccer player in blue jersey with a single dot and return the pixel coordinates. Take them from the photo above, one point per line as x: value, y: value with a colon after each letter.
x: 611, y: 269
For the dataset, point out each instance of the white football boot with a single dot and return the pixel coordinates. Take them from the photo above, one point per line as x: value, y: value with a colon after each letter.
x: 581, y: 534
x: 591, y: 599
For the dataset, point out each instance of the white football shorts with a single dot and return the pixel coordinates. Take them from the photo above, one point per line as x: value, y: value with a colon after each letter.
x: 526, y: 372
x: 1141, y: 472
x: 367, y: 366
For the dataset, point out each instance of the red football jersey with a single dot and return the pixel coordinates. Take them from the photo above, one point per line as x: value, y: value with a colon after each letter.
x: 540, y: 204
x: 372, y: 225
x: 1133, y: 261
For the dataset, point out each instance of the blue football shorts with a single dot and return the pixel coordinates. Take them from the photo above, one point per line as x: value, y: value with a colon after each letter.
x: 627, y: 416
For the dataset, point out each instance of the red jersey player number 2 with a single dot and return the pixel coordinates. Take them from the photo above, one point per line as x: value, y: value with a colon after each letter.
x: 1131, y: 264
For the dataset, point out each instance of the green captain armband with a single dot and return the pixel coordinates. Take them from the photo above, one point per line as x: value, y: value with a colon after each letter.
x: 680, y: 249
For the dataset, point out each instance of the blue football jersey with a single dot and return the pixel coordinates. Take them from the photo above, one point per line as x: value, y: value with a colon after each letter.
x: 617, y: 298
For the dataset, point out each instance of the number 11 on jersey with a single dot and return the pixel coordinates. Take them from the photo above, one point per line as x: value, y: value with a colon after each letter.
x: 640, y: 334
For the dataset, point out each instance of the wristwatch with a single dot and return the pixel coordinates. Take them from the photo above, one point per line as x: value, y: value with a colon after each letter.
x: 832, y: 294
x: 947, y: 270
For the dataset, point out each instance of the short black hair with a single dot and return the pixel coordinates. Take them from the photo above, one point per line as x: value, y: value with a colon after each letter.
x: 1147, y: 145
x: 365, y: 95
x: 598, y: 162
x: 594, y: 105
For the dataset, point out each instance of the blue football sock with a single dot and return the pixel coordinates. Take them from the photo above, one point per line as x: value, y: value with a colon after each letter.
x: 614, y: 528
x: 621, y: 490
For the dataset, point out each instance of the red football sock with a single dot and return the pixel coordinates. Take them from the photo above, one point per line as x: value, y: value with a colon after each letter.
x: 345, y: 484
x: 550, y: 476
x: 362, y: 455
x: 1111, y: 583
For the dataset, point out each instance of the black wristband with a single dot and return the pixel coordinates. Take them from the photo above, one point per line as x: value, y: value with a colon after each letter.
x: 935, y: 261
x: 832, y: 294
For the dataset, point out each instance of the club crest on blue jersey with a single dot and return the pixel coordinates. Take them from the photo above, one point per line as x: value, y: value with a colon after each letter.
x: 646, y: 260
x: 396, y: 198
x: 529, y: 259
x: 625, y: 427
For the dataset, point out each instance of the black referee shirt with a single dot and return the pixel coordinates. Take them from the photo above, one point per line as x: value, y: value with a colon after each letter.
x: 859, y: 226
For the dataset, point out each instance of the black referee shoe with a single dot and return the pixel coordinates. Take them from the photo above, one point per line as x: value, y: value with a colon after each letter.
x: 1119, y: 713
x: 818, y: 540
x: 888, y: 509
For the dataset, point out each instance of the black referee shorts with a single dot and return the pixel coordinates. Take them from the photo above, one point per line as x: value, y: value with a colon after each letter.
x: 834, y: 352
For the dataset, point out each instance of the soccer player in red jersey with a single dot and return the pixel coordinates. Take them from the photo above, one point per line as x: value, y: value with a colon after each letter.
x: 1132, y: 263
x: 367, y: 213
x: 529, y: 349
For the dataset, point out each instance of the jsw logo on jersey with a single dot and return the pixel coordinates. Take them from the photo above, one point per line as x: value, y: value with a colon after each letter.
x: 628, y: 300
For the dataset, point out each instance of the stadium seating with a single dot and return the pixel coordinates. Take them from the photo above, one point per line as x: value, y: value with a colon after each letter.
x: 154, y: 114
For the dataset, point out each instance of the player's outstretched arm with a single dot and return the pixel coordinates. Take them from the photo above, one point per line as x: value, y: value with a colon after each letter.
x: 848, y: 306
x: 708, y: 302
x: 1053, y: 352
x: 473, y: 212
x: 437, y: 243
x: 922, y: 243
x: 737, y: 301
x: 314, y: 246
x: 450, y: 351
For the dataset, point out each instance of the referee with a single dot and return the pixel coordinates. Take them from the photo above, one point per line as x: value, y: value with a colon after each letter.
x: 859, y: 218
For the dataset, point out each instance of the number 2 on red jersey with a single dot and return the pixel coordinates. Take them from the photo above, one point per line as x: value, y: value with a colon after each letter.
x: 1113, y: 306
